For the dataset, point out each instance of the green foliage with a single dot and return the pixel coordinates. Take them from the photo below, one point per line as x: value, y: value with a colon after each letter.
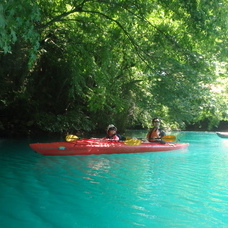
x: 85, y: 64
x: 17, y: 23
x: 70, y: 122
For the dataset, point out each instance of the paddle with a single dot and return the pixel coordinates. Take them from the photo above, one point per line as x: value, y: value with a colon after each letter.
x: 133, y: 142
x: 70, y: 138
x: 136, y: 142
x: 169, y: 138
x: 130, y: 141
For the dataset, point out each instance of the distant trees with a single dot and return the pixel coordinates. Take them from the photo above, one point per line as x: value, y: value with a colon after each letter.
x: 71, y: 65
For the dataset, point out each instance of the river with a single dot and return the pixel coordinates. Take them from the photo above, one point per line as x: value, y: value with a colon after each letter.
x: 186, y: 188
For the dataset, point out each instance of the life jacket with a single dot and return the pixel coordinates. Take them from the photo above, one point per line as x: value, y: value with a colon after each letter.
x: 153, y: 133
x: 110, y: 137
x: 121, y: 138
x: 115, y: 136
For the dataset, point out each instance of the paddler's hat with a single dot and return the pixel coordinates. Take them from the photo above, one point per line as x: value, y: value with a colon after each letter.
x: 111, y: 127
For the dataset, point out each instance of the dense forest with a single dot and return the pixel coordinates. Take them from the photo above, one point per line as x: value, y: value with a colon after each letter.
x: 78, y: 65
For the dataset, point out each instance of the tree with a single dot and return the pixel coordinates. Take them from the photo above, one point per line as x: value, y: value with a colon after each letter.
x: 107, y: 61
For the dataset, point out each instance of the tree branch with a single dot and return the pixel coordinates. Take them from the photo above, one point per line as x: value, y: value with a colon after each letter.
x: 78, y: 8
x: 135, y: 45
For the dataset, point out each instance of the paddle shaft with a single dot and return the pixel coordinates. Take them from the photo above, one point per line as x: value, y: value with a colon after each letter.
x: 167, y: 138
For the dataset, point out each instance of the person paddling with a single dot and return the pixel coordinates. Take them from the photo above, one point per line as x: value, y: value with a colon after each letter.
x: 156, y: 133
x: 111, y: 133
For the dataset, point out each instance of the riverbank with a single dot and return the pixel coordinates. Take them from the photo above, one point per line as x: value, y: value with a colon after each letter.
x: 203, y: 126
x: 35, y: 132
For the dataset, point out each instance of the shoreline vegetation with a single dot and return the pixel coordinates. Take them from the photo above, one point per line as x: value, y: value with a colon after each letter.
x: 222, y: 127
x: 69, y: 66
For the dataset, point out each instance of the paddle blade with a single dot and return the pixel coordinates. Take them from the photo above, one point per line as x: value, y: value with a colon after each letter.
x: 71, y: 138
x: 133, y: 142
x: 169, y: 138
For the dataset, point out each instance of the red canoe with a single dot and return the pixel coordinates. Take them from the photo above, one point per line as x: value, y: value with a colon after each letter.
x: 91, y: 146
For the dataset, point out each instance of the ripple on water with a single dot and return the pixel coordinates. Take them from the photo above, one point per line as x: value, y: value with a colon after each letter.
x: 169, y: 189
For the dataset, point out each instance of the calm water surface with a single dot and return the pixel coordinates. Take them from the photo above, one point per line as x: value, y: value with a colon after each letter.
x: 187, y: 188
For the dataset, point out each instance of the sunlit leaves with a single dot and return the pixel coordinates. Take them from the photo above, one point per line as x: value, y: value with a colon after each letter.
x: 116, y: 61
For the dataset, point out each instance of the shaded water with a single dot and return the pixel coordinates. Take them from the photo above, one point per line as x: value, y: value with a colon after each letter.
x: 187, y: 188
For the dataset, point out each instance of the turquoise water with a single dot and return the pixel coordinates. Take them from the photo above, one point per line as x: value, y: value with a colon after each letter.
x: 187, y: 188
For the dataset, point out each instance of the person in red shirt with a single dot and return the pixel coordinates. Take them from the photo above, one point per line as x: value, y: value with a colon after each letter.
x: 156, y: 133
x: 111, y: 133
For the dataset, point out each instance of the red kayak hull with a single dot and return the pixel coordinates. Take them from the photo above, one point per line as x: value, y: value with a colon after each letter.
x: 90, y: 146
